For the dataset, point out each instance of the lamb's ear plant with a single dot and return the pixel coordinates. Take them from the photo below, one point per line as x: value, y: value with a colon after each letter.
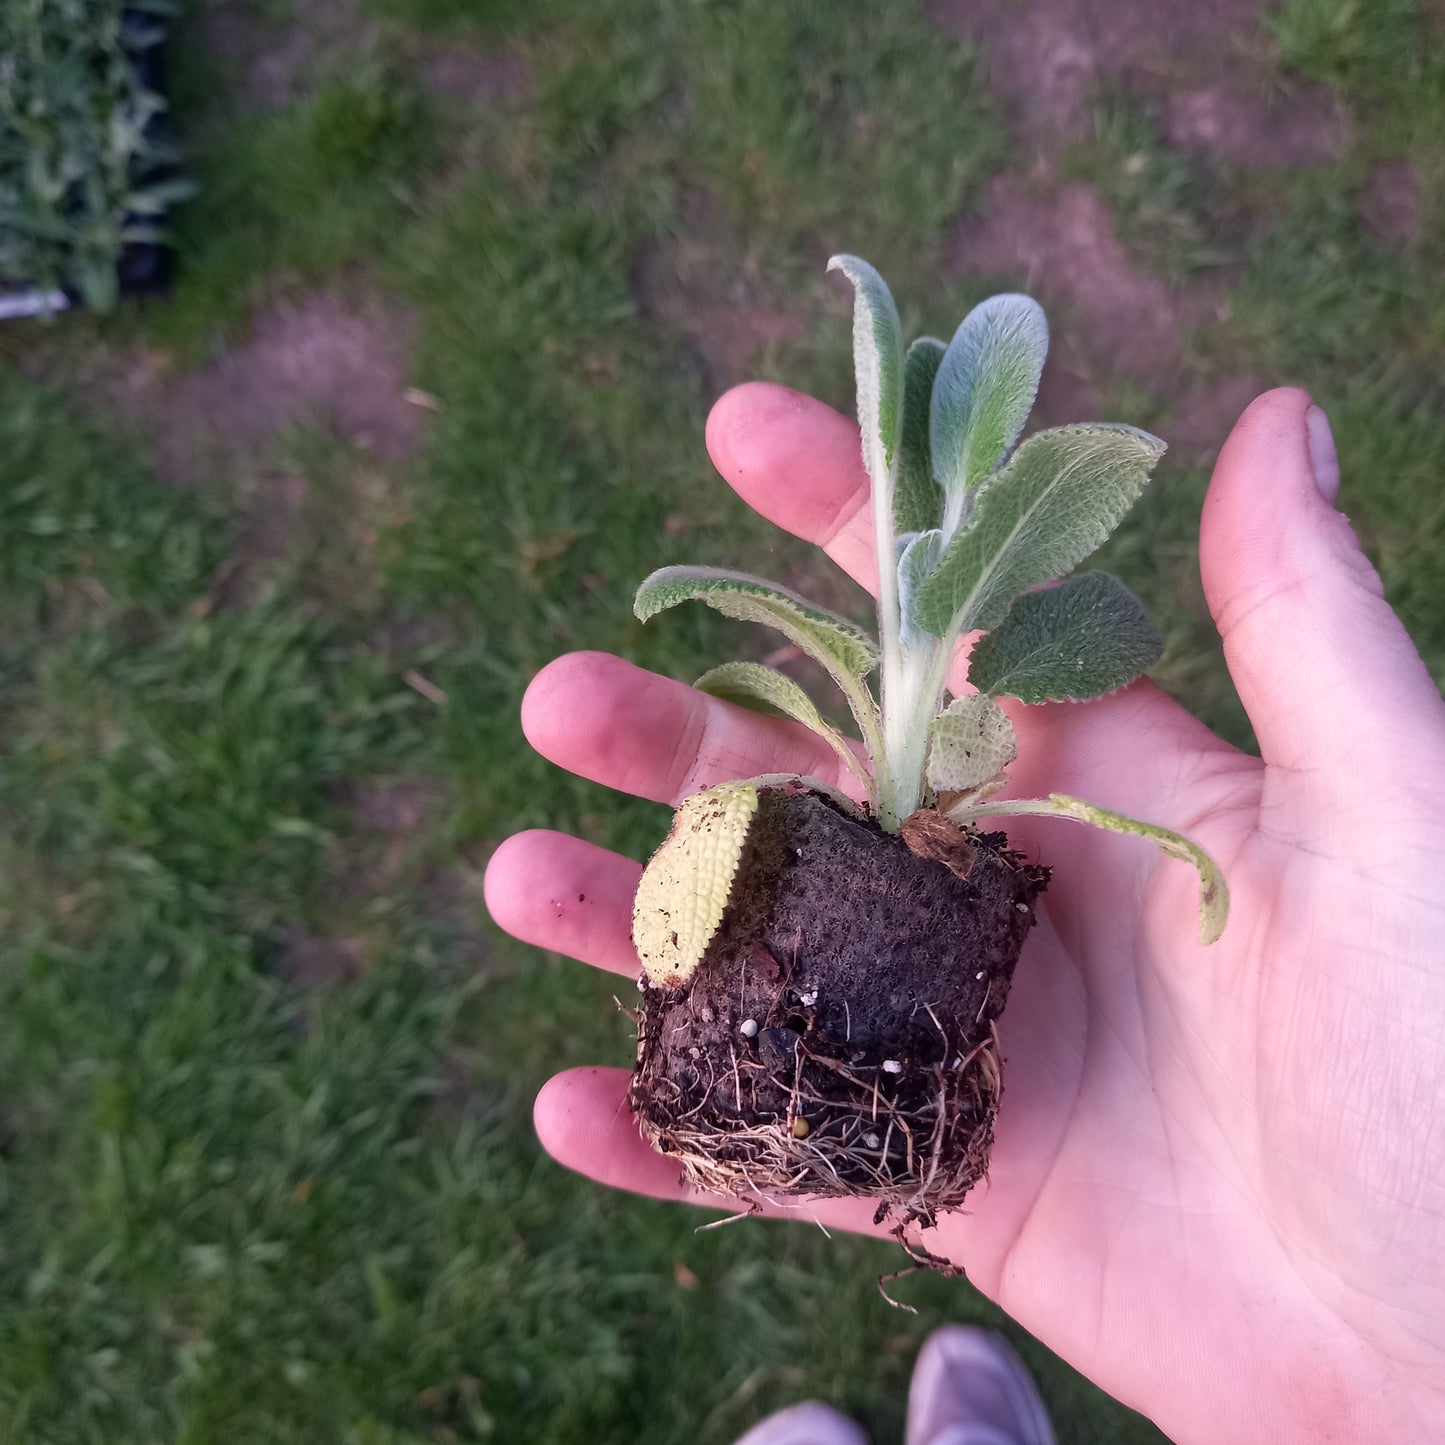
x: 88, y: 171
x: 972, y: 530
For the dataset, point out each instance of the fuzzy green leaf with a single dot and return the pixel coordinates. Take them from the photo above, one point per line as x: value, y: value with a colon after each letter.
x: 878, y: 363
x: 917, y: 498
x: 1057, y: 499
x: 984, y: 390
x: 846, y: 651
x: 831, y: 640
x: 1213, y: 890
x: 970, y: 743
x: 750, y: 684
x: 684, y: 889
x: 1086, y: 637
x: 918, y: 555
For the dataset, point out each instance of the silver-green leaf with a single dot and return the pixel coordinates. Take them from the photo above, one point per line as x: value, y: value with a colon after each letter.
x: 1213, y: 890
x: 838, y: 644
x: 751, y: 685
x: 917, y: 497
x: 982, y: 395
x: 970, y: 743
x: 878, y: 362
x: 918, y: 555
x: 846, y: 651
x: 1054, y: 502
x: 1086, y: 637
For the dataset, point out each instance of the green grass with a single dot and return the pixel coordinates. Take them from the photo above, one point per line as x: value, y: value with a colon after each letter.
x: 237, y: 1204
x: 1358, y: 46
x: 1156, y: 196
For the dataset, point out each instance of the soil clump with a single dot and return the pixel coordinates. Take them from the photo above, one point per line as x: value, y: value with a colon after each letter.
x: 839, y: 1036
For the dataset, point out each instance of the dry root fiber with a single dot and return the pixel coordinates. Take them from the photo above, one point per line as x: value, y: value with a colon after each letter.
x: 839, y: 1037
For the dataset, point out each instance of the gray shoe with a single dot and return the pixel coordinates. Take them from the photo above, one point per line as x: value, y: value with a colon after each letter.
x: 969, y: 1388
x: 807, y: 1424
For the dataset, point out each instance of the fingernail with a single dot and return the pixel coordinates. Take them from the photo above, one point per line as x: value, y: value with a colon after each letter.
x: 1324, y: 459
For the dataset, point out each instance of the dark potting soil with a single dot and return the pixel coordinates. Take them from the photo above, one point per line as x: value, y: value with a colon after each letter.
x: 838, y: 1037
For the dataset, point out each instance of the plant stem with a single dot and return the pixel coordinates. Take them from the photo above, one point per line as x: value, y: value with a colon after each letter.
x: 890, y: 644
x: 908, y: 713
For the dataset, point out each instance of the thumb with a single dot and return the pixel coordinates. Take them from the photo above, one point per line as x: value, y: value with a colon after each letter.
x: 1330, y: 679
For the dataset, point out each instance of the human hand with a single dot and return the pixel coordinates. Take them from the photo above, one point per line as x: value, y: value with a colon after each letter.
x: 1218, y: 1180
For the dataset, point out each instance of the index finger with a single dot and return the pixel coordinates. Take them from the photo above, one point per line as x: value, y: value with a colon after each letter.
x: 799, y: 463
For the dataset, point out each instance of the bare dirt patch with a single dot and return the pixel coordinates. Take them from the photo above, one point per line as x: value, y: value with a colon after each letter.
x: 254, y: 424
x: 307, y: 961
x: 316, y: 359
x: 723, y: 329
x: 1044, y: 56
x: 1204, y: 415
x: 1389, y: 202
x: 384, y: 846
x: 1204, y: 66
x: 473, y: 72
x: 1245, y: 124
x: 395, y: 806
x: 726, y: 314
x: 1207, y: 75
x: 1109, y: 317
x: 268, y: 65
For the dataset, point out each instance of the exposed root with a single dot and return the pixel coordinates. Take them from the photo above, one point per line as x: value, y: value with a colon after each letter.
x: 842, y: 1131
x: 887, y: 1279
x: 923, y: 1258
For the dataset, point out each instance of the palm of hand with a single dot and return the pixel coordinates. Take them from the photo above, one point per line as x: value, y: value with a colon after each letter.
x: 1215, y: 1186
x: 1205, y: 1154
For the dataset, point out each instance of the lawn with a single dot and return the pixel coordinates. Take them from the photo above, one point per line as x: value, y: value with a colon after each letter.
x: 280, y: 553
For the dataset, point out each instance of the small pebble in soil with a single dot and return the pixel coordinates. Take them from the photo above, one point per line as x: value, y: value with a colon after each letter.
x: 749, y: 1028
x: 1022, y: 907
x: 801, y: 1128
x: 980, y: 975
x: 892, y: 1066
x: 808, y: 999
x: 871, y: 1141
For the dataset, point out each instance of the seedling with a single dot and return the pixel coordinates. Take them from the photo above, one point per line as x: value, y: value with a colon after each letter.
x: 88, y: 168
x: 822, y: 978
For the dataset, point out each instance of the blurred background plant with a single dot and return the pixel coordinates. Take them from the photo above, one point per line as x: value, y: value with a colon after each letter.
x: 279, y: 554
x: 87, y: 166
